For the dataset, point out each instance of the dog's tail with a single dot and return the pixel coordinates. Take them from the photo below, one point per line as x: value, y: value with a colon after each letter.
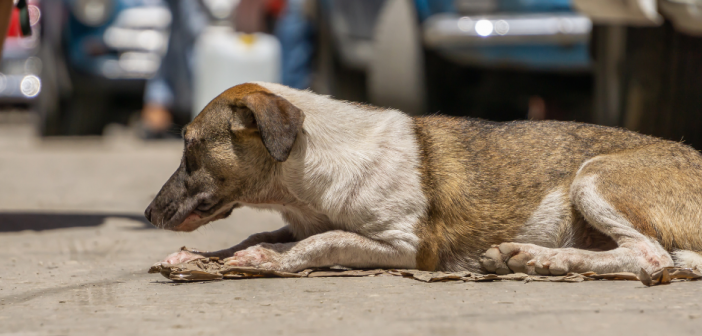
x: 686, y: 258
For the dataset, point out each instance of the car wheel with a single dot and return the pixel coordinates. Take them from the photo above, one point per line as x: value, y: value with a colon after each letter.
x: 87, y: 108
x: 48, y: 104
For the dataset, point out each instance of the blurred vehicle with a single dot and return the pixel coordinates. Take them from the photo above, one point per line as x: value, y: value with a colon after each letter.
x: 419, y: 55
x: 20, y: 67
x: 648, y: 66
x: 97, y: 55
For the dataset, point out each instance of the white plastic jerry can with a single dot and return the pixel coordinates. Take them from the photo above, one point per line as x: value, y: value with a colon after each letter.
x: 224, y: 58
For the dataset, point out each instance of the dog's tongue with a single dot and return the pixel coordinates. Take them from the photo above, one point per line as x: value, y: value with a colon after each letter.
x: 187, y: 224
x: 191, y: 217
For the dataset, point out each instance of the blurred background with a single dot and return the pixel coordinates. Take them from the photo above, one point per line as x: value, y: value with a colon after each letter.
x: 94, y: 93
x: 85, y: 67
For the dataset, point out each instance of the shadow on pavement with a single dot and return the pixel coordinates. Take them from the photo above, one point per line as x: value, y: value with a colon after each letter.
x: 19, y: 221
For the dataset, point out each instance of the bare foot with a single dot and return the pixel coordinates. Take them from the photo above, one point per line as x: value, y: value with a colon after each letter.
x: 156, y: 118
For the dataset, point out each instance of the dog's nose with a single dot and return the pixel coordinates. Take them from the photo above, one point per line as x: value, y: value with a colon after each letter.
x: 147, y: 213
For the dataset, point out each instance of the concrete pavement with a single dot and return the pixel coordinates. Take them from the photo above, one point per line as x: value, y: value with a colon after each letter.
x: 75, y: 251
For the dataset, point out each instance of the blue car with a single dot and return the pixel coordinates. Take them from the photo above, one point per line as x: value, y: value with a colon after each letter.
x: 496, y: 59
x: 97, y: 56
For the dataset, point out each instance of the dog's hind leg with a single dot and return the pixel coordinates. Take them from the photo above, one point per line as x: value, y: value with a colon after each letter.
x: 635, y: 251
x: 689, y: 259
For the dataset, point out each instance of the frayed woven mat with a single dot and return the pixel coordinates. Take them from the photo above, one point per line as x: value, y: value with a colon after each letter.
x: 208, y: 269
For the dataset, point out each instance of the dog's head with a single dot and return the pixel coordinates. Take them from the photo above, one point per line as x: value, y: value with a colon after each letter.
x: 233, y: 150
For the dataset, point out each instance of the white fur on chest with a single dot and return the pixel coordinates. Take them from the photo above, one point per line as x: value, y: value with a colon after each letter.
x: 354, y: 168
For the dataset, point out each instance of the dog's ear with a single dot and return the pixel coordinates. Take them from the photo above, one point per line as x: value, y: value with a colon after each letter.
x: 277, y: 120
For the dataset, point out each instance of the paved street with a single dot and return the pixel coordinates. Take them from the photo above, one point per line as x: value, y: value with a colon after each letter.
x: 75, y: 250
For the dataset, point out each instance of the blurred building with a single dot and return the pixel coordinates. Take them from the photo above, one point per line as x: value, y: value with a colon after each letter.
x: 649, y: 66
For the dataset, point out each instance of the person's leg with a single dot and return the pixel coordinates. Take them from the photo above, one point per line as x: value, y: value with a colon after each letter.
x: 296, y: 38
x: 156, y: 118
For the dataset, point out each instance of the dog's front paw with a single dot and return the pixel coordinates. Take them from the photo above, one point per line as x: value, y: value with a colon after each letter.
x: 180, y: 257
x: 531, y: 259
x: 513, y: 257
x: 263, y: 256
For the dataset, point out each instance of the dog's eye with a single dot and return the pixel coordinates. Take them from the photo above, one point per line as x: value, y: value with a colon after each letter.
x: 205, y: 206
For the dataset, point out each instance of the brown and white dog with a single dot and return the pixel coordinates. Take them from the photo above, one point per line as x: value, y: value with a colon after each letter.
x: 364, y: 187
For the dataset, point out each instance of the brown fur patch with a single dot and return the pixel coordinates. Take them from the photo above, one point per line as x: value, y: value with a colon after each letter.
x: 277, y: 120
x: 658, y: 188
x: 483, y: 180
x: 231, y: 96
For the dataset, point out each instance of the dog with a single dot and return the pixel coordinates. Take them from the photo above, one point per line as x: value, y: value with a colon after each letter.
x: 368, y: 187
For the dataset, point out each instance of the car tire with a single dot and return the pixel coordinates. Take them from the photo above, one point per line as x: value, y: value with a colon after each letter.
x: 87, y: 108
x: 48, y: 104
x: 74, y: 108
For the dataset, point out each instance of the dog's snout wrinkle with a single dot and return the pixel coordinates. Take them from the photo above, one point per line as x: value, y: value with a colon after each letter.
x: 169, y: 211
